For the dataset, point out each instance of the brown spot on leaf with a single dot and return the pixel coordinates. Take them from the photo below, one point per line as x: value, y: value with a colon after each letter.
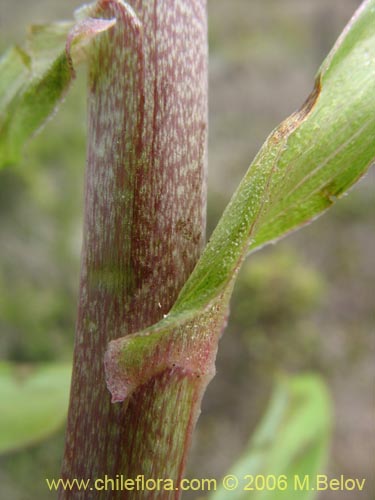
x: 295, y: 119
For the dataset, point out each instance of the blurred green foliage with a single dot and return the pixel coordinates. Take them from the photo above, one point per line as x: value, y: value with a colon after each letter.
x: 41, y: 203
x: 33, y: 403
x: 292, y: 439
x: 273, y: 301
x: 40, y: 227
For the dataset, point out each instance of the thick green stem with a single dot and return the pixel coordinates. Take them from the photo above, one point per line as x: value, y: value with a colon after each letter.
x: 143, y: 233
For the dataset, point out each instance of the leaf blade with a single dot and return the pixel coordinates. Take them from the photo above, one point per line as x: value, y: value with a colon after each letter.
x: 33, y: 403
x: 34, y: 79
x: 291, y: 440
x: 314, y: 155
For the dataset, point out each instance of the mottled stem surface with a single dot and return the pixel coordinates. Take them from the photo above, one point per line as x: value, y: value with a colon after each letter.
x: 143, y: 233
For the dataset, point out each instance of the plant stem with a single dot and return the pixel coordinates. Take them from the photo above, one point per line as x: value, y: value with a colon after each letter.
x: 143, y: 233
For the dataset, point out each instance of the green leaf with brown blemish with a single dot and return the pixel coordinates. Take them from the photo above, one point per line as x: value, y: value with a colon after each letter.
x: 307, y: 162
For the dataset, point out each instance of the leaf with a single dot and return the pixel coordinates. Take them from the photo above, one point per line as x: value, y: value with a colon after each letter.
x: 306, y: 163
x: 35, y: 78
x: 33, y: 402
x: 291, y: 440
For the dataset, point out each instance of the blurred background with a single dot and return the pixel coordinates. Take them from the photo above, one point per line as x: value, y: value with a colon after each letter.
x: 305, y: 304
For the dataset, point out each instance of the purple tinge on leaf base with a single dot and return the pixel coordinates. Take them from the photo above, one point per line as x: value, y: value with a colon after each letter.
x: 186, y: 346
x: 81, y: 35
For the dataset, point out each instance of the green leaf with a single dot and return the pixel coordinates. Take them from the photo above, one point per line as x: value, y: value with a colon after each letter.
x: 291, y: 441
x: 35, y: 78
x: 33, y: 402
x: 306, y: 163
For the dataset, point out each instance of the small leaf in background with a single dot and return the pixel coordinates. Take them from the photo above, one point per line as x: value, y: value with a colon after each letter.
x: 291, y: 440
x: 33, y: 402
x: 35, y: 78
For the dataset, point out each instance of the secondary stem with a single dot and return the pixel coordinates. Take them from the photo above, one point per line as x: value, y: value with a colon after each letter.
x: 143, y: 233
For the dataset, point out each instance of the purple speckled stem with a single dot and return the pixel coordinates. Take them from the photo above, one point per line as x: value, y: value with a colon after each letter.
x: 143, y: 233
